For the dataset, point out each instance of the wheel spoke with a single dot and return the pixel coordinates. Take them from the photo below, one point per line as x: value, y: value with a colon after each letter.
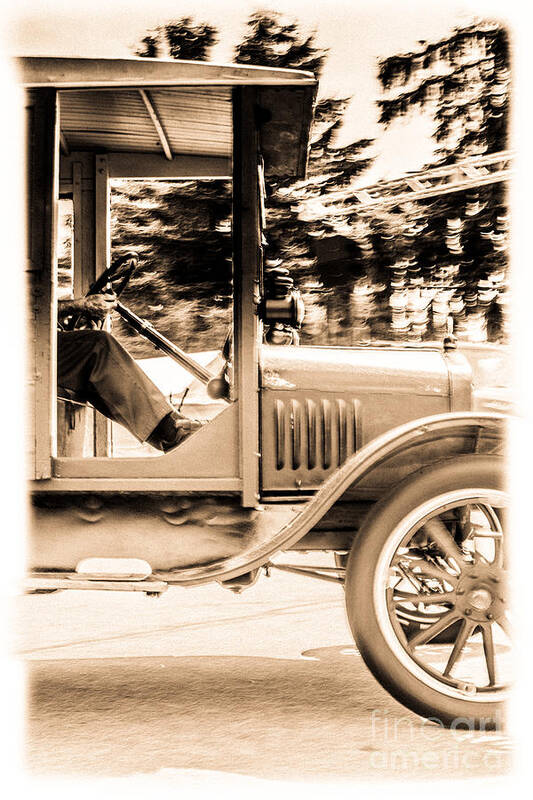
x: 500, y: 543
x: 464, y: 520
x: 433, y: 570
x: 505, y: 625
x: 488, y: 648
x: 503, y: 544
x: 409, y: 576
x: 494, y: 532
x: 426, y: 634
x: 465, y: 632
x: 439, y: 533
x: 481, y: 532
x: 431, y: 599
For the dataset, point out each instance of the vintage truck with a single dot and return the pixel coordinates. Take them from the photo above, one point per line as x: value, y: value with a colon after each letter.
x: 382, y: 455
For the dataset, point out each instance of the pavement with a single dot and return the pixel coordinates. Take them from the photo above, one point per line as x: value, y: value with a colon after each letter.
x: 203, y: 685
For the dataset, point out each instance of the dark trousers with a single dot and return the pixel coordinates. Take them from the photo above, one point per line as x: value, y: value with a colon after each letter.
x: 96, y: 367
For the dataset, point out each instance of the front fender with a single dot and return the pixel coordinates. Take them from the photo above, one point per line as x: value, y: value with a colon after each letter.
x: 478, y: 433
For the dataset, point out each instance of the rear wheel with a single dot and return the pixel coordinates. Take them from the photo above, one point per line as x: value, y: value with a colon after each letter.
x: 435, y: 550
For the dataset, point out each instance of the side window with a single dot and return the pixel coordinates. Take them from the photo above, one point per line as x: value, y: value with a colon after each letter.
x: 65, y: 234
x: 182, y: 286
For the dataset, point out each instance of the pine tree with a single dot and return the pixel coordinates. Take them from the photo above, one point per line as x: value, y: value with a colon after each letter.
x: 180, y: 39
x: 276, y: 41
x: 463, y: 81
x: 447, y: 257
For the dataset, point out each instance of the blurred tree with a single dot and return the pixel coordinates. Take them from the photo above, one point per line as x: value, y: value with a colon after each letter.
x: 183, y: 283
x: 296, y: 230
x: 274, y: 40
x: 181, y: 39
x: 463, y: 81
x: 396, y: 268
x: 446, y: 257
x: 424, y: 261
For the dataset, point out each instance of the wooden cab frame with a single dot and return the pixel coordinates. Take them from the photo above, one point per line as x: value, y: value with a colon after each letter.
x: 91, y: 120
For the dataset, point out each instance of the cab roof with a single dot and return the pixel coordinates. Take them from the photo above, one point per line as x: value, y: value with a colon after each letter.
x: 171, y: 107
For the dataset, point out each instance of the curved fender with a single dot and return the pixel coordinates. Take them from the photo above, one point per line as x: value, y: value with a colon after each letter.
x: 354, y: 469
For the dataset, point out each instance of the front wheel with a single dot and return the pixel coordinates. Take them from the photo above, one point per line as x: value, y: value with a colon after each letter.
x: 436, y: 546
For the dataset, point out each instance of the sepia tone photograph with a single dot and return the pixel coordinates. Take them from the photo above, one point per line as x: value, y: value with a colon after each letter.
x: 265, y: 351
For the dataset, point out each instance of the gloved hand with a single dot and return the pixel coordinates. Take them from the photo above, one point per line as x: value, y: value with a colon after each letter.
x: 99, y: 305
x: 85, y: 312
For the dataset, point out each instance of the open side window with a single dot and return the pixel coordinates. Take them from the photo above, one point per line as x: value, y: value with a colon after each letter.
x: 181, y: 291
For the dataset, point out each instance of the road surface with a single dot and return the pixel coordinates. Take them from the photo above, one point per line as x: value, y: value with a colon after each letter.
x: 200, y: 682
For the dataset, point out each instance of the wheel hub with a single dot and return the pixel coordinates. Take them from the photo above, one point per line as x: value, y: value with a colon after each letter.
x: 480, y: 599
x: 481, y: 593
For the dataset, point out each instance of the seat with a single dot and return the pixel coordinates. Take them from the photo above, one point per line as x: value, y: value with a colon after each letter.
x: 73, y: 428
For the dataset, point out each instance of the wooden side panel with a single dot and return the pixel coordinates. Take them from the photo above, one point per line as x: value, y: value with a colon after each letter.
x: 211, y: 452
x: 285, y: 129
x: 247, y: 265
x: 150, y: 165
x: 42, y: 188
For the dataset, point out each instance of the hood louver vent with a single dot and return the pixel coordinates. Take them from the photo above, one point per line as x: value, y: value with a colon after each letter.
x: 313, y: 436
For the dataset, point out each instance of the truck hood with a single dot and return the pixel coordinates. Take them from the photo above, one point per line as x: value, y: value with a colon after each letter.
x: 414, y: 371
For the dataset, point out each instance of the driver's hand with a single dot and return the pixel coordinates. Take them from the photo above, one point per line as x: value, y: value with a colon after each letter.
x: 100, y: 305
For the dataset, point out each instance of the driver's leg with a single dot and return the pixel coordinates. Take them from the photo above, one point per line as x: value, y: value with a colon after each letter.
x: 93, y: 364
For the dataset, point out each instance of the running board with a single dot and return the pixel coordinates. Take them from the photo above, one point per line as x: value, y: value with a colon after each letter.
x: 45, y: 582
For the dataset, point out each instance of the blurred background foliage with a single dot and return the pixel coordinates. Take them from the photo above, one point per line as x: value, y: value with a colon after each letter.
x: 396, y: 271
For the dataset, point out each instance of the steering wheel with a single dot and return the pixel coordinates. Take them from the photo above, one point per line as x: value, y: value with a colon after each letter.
x: 118, y: 274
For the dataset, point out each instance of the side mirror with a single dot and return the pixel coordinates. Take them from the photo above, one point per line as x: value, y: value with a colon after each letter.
x: 289, y: 309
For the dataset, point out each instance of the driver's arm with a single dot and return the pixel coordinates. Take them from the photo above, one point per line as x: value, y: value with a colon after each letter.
x: 96, y: 305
